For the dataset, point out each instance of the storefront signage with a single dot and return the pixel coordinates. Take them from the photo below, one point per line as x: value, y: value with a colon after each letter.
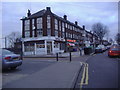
x: 60, y: 39
x: 71, y: 40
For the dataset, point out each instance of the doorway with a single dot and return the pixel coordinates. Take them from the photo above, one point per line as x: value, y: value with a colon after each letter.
x: 49, y: 47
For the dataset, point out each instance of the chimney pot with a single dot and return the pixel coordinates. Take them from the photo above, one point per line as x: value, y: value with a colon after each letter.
x: 83, y: 27
x: 28, y: 14
x: 65, y: 17
x: 76, y: 23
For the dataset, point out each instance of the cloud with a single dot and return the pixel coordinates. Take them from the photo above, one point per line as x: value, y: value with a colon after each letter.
x: 86, y: 13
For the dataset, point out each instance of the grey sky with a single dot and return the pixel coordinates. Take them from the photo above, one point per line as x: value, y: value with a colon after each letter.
x: 86, y: 13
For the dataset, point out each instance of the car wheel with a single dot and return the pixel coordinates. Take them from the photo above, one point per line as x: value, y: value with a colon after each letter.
x: 109, y: 56
x: 13, y: 68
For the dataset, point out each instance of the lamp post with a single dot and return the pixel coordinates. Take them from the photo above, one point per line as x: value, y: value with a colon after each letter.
x: 22, y: 43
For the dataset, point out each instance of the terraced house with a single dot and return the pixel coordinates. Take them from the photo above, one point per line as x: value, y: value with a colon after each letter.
x: 46, y: 33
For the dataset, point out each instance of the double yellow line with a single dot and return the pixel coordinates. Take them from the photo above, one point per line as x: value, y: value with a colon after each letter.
x: 84, y: 79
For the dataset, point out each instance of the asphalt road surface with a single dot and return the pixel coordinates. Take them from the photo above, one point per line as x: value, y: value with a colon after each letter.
x: 25, y: 70
x: 99, y: 71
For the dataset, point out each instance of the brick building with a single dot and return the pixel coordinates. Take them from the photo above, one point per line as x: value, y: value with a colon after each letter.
x: 46, y: 33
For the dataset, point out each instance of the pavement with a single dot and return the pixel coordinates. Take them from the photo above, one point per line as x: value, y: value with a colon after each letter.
x: 61, y: 55
x: 62, y: 74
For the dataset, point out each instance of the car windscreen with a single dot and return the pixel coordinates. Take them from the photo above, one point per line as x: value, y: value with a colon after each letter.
x: 100, y: 46
x: 6, y: 52
x: 115, y: 49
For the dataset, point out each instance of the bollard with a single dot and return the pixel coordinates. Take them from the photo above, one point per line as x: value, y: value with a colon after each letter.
x: 21, y: 56
x: 57, y: 56
x: 80, y: 52
x: 70, y: 56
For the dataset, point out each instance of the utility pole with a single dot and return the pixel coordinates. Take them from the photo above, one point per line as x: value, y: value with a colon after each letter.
x: 5, y: 42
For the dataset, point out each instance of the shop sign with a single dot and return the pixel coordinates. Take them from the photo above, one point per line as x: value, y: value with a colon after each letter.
x: 71, y: 44
x: 71, y: 40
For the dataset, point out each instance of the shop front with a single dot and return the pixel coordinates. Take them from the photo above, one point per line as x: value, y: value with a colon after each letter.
x: 42, y: 47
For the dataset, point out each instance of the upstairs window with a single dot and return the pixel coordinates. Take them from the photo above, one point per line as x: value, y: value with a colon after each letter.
x: 39, y: 23
x: 27, y: 28
x: 56, y: 24
x: 27, y: 25
x: 27, y: 33
x: 33, y: 27
x: 48, y: 25
x: 48, y: 21
x: 56, y: 27
x: 39, y: 27
x: 63, y: 29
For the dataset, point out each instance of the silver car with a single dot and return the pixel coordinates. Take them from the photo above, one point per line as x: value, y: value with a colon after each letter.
x: 10, y: 60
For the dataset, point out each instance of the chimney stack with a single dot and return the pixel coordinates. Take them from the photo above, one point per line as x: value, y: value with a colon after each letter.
x: 48, y: 9
x: 83, y: 27
x: 28, y: 14
x: 65, y: 17
x: 76, y: 23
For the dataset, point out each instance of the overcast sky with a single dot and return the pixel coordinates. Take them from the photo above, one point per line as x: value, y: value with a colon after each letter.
x: 86, y: 13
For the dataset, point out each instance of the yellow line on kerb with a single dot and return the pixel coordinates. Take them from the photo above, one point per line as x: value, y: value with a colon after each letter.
x: 84, y: 79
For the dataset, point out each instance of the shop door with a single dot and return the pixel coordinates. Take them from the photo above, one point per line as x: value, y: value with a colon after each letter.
x: 49, y: 47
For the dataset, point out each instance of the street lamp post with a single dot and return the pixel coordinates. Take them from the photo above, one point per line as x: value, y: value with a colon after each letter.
x: 22, y: 42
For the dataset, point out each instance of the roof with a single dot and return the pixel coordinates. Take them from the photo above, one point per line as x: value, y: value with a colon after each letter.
x: 38, y: 14
x: 66, y: 20
x: 42, y: 12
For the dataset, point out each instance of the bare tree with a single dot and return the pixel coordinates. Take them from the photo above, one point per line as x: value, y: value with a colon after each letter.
x: 117, y: 38
x: 100, y: 30
x: 13, y: 37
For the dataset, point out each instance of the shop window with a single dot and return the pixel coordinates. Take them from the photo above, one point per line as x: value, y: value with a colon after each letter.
x: 40, y: 46
x: 55, y: 45
x: 29, y: 48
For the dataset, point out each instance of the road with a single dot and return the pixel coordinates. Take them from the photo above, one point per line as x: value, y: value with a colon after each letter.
x: 28, y: 68
x: 99, y: 71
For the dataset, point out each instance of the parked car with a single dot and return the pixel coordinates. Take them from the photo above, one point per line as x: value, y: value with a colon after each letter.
x: 100, y: 49
x: 108, y: 47
x: 114, y: 51
x: 10, y: 60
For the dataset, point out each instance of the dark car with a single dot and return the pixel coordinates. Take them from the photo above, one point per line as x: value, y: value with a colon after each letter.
x: 114, y: 51
x: 10, y: 60
x: 100, y: 49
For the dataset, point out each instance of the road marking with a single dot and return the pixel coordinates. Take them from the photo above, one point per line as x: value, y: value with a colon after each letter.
x: 94, y: 54
x: 86, y: 74
x: 85, y: 77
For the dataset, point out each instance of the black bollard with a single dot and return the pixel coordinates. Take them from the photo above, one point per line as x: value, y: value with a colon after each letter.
x: 80, y: 52
x: 70, y: 56
x: 57, y: 56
